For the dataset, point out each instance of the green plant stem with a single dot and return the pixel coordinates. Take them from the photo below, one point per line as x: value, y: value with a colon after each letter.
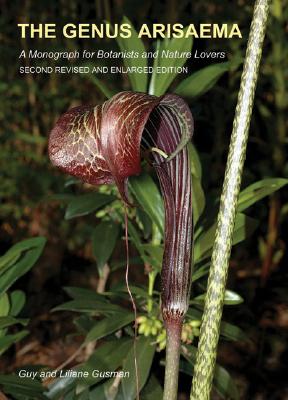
x: 173, y: 331
x: 155, y: 241
x: 151, y: 281
x: 210, y: 327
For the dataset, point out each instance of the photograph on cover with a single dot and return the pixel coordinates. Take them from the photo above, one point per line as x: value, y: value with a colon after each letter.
x: 144, y: 203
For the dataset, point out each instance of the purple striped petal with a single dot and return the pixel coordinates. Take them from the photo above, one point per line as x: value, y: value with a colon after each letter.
x: 103, y: 144
x: 165, y: 129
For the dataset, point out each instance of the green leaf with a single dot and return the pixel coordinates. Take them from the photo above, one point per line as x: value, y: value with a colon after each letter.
x: 203, y: 243
x: 107, y: 357
x: 203, y: 80
x: 104, y: 238
x: 84, y: 323
x: 244, y: 226
x: 90, y: 306
x: 108, y: 325
x: 154, y: 255
x: 144, y: 355
x: 148, y: 196
x: 106, y: 391
x: 194, y: 313
x: 145, y: 222
x: 152, y: 390
x: 5, y: 322
x: 4, y: 305
x: 24, y: 264
x: 258, y: 190
x: 200, y: 272
x: 185, y: 367
x: 232, y: 298
x: 61, y: 197
x: 13, y: 254
x: 71, y: 395
x: 8, y: 340
x: 189, y: 354
x: 31, y: 388
x: 120, y: 263
x: 7, y: 260
x: 81, y: 394
x: 135, y: 290
x: 136, y: 239
x: 98, y: 391
x: 60, y: 386
x: 196, y: 168
x: 198, y: 197
x: 78, y: 293
x: 17, y: 301
x: 100, y: 84
x: 138, y: 80
x: 87, y: 203
x: 232, y: 332
x: 160, y: 82
x: 224, y: 384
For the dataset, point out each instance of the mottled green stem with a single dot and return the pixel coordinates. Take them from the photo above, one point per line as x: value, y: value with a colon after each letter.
x: 209, y: 333
x: 173, y: 331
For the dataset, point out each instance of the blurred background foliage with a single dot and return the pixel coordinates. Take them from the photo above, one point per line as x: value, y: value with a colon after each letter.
x: 37, y: 201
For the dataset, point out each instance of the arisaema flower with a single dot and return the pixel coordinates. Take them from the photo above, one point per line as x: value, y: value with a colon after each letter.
x: 104, y: 144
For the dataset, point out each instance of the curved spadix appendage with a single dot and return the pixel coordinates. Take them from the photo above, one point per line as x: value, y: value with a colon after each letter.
x: 103, y: 144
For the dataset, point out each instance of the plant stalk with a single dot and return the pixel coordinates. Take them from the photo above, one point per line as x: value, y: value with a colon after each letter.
x: 151, y: 281
x: 173, y: 331
x: 210, y: 327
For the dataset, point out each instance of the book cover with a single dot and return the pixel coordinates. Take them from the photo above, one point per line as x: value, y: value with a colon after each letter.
x: 126, y: 203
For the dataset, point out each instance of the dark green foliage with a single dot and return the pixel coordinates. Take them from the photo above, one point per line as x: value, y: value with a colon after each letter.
x: 104, y: 238
x: 16, y: 262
